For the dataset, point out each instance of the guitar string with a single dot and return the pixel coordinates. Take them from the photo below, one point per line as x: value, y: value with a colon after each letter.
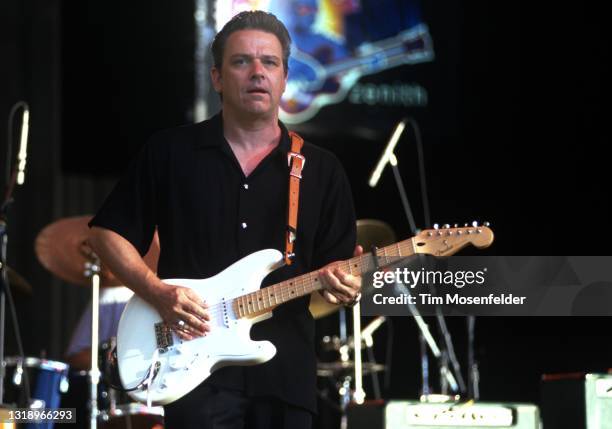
x: 287, y: 289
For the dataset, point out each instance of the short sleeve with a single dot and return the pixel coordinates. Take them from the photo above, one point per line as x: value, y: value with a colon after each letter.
x: 130, y: 209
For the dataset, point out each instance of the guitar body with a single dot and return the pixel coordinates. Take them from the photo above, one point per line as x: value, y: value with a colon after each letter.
x: 183, y: 365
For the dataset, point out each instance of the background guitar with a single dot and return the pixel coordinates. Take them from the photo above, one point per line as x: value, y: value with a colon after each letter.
x: 312, y: 85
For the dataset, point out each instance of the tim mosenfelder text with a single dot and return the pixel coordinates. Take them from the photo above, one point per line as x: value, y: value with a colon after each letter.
x: 458, y: 279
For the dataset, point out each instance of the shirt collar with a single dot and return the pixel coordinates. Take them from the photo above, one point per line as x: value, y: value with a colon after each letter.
x: 210, y: 134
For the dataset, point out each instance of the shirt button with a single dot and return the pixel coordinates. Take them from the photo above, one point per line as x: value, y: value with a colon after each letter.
x: 244, y: 225
x: 246, y: 186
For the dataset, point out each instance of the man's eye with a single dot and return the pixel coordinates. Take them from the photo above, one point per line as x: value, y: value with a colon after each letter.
x: 239, y: 61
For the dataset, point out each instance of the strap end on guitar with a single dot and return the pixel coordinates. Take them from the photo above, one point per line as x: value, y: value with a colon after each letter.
x: 289, y: 258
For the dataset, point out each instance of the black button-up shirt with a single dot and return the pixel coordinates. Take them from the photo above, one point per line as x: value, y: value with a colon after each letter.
x: 187, y: 182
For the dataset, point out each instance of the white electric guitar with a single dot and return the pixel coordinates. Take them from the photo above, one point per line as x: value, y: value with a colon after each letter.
x: 160, y: 368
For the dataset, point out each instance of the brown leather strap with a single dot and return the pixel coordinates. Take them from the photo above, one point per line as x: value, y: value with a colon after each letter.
x: 296, y: 163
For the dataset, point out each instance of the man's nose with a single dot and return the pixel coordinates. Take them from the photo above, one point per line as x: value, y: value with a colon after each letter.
x: 257, y: 68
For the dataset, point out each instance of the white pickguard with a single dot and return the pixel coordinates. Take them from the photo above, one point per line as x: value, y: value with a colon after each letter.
x: 185, y: 364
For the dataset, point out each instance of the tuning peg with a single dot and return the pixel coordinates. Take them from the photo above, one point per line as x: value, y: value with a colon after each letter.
x: 436, y: 226
x: 466, y: 225
x: 446, y: 226
x: 487, y: 224
x: 475, y: 224
x: 456, y: 225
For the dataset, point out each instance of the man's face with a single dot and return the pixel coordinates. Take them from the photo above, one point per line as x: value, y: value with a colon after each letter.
x: 252, y: 78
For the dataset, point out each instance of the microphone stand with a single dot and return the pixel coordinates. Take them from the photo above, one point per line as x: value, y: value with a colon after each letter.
x: 92, y: 270
x: 359, y: 395
x: 367, y: 336
x: 390, y: 157
x: 16, y: 177
x: 446, y: 374
x: 473, y: 374
x: 4, y: 290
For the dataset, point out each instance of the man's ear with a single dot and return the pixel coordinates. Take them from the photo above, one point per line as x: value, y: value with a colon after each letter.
x: 215, y: 77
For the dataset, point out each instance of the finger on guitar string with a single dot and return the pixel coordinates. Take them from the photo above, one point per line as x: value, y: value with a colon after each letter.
x: 183, y: 333
x: 194, y: 324
x: 176, y: 303
x: 201, y: 311
x: 186, y: 333
x: 343, y: 293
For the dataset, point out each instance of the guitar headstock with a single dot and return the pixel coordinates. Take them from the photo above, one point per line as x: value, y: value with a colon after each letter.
x: 447, y: 240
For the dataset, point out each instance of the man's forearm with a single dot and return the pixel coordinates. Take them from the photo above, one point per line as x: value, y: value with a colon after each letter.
x: 124, y: 261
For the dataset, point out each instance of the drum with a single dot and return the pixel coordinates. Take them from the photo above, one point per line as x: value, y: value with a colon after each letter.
x: 116, y: 409
x: 48, y: 381
x: 121, y: 412
x: 133, y: 415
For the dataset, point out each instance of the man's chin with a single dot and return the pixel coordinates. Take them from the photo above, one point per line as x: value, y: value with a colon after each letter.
x: 258, y: 109
x: 255, y: 110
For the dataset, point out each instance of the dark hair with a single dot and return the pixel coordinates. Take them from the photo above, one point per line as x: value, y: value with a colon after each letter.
x: 252, y: 20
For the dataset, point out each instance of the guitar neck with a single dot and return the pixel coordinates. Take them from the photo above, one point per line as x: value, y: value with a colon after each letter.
x: 264, y: 300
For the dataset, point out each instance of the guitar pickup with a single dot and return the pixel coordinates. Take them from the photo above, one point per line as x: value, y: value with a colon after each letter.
x: 163, y: 335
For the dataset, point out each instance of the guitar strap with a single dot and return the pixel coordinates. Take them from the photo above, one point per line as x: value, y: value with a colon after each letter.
x: 296, y: 163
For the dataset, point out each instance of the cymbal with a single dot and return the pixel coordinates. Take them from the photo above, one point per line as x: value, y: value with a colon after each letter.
x: 17, y: 282
x: 319, y: 307
x: 374, y: 232
x: 370, y: 232
x: 62, y: 248
x: 333, y: 369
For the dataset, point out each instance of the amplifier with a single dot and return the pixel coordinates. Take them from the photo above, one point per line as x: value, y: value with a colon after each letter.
x: 599, y: 401
x: 419, y: 415
x: 577, y: 400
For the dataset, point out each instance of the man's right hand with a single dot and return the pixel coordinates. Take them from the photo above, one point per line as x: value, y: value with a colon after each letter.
x: 183, y: 310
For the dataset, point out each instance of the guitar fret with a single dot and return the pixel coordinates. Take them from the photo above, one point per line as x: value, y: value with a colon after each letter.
x: 275, y: 293
x: 286, y: 291
x: 243, y: 306
x: 236, y: 308
x: 346, y: 266
x: 278, y: 293
x: 291, y: 289
x: 250, y: 304
x: 363, y: 265
x: 269, y: 297
x: 300, y: 283
x: 253, y: 301
x: 281, y: 292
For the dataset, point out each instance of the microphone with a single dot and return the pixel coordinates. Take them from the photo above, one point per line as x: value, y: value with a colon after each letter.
x: 23, y: 145
x: 367, y: 332
x: 388, y: 155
